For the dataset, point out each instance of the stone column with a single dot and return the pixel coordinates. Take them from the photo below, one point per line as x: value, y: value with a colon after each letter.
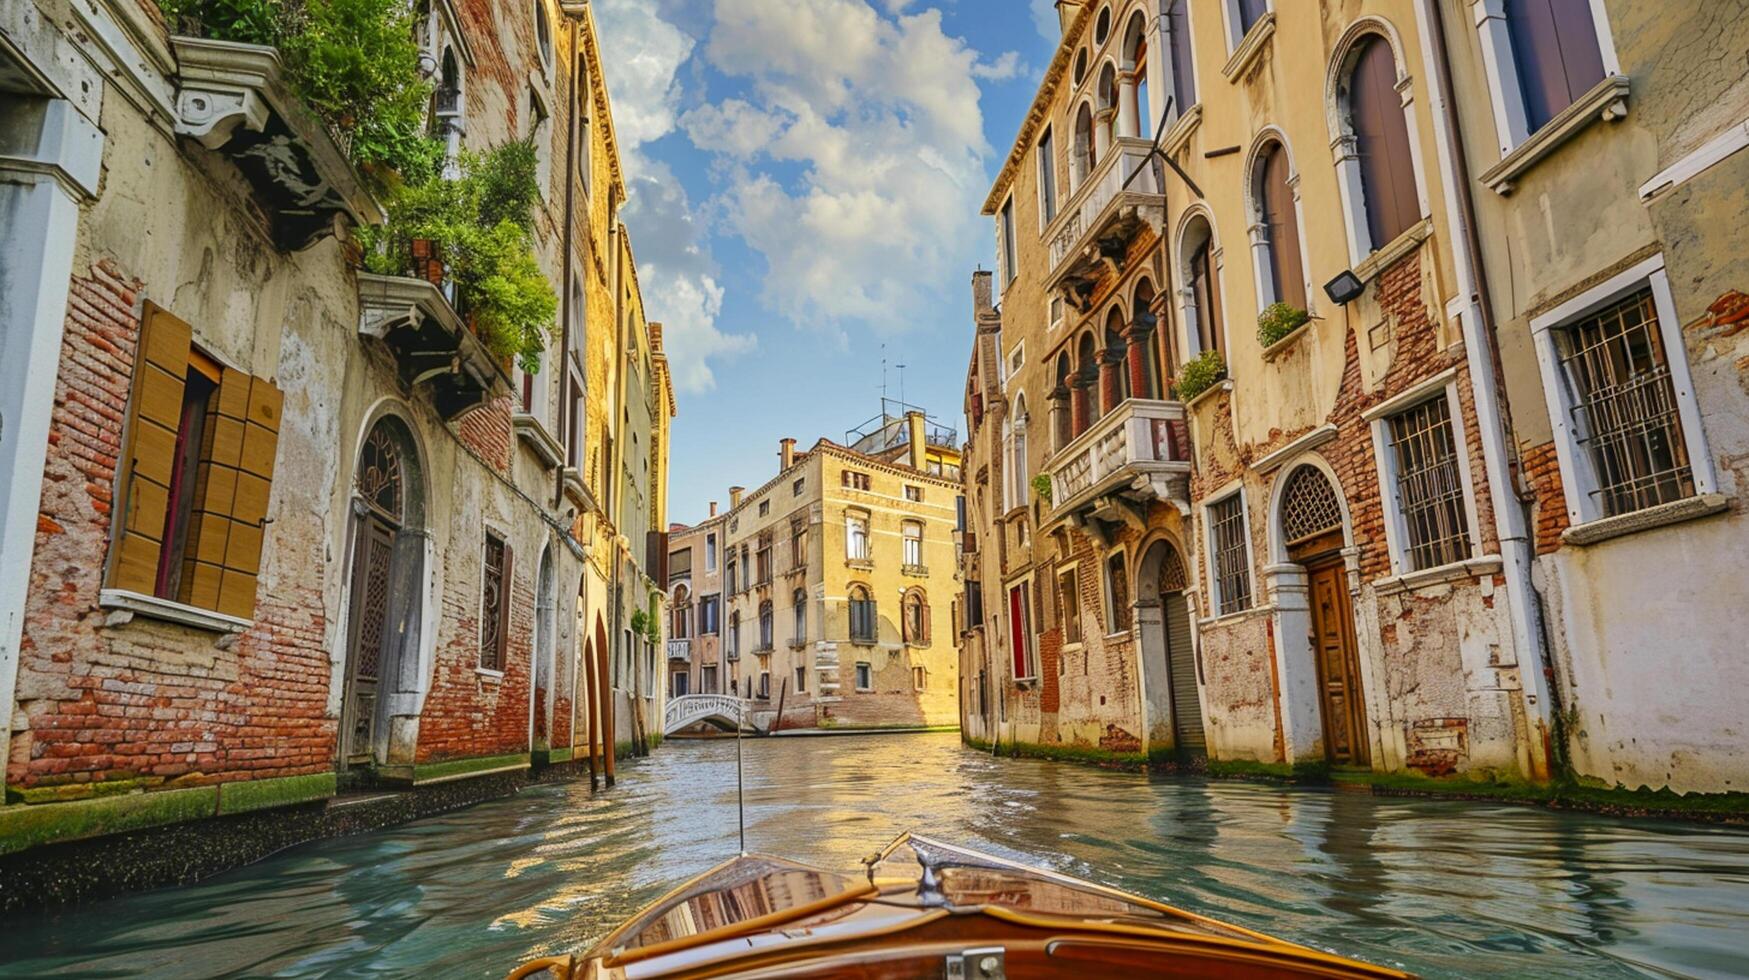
x: 1062, y: 417
x: 1078, y: 420
x: 1302, y: 735
x: 50, y: 156
x: 1126, y: 104
x: 1102, y: 133
x: 1111, y: 362
x: 1139, y: 335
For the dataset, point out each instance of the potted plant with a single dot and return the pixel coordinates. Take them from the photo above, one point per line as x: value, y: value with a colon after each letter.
x: 1277, y: 320
x: 1201, y: 373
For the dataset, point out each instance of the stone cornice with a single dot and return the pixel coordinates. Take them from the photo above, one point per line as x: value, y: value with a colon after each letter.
x: 1040, y: 110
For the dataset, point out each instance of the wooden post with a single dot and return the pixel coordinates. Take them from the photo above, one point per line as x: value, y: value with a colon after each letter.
x: 782, y: 692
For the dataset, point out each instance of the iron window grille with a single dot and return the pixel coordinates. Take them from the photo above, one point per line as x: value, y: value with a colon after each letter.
x: 1430, y: 488
x: 1624, y: 407
x: 1232, y: 578
x: 492, y: 604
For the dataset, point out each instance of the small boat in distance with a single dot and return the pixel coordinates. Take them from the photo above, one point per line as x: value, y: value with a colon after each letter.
x: 943, y: 912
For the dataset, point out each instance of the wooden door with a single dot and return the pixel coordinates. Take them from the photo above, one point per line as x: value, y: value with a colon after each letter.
x: 373, y: 554
x: 1343, y: 704
x: 1181, y: 669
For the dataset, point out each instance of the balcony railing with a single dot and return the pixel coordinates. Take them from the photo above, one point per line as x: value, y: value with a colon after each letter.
x: 1101, y: 202
x: 680, y: 649
x: 1137, y: 451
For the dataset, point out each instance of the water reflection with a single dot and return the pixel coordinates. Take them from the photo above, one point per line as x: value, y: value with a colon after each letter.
x: 1445, y: 889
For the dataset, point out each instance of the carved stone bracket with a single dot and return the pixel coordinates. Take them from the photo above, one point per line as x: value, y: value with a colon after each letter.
x: 431, y: 345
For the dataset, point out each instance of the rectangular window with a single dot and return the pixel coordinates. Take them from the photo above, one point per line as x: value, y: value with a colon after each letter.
x: 765, y: 685
x: 798, y: 546
x: 1555, y: 47
x: 1047, y: 176
x: 1429, y: 486
x: 494, y: 603
x: 764, y: 508
x: 1054, y: 312
x: 919, y: 678
x: 710, y: 552
x: 856, y: 537
x: 801, y: 680
x: 864, y: 677
x: 1069, y: 605
x: 708, y: 610
x: 198, y: 471
x: 863, y: 619
x: 1183, y: 67
x: 1020, y: 633
x: 914, y: 544
x: 762, y: 559
x: 1009, y: 269
x: 707, y: 680
x: 1232, y: 561
x: 1623, y: 407
x: 1117, y: 593
x: 795, y: 489
x: 913, y: 493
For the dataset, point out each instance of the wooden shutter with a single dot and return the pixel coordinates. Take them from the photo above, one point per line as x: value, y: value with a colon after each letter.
x: 1387, y: 176
x: 1559, y: 58
x: 160, y: 372
x: 242, y: 560
x: 1284, y: 230
x: 1183, y: 73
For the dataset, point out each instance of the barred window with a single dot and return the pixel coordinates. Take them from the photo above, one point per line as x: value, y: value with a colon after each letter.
x: 1232, y: 577
x: 494, y: 604
x: 862, y: 615
x: 1624, y: 407
x: 1430, y: 489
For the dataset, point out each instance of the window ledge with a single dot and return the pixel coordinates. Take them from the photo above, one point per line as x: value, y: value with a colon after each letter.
x: 863, y: 563
x: 153, y: 607
x: 920, y: 571
x: 1369, y: 268
x: 1607, y: 100
x: 1074, y: 647
x: 1250, y: 48
x: 1287, y: 340
x: 1663, y: 515
x: 1235, y: 616
x: 489, y: 675
x: 1207, y: 394
x: 1453, y: 572
x: 1179, y: 133
x: 533, y: 434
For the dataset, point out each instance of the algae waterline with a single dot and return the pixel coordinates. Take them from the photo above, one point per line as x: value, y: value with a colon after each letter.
x: 1444, y: 888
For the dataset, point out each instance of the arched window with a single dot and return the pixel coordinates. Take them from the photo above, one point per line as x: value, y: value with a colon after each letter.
x: 862, y: 615
x: 1080, y: 66
x: 1117, y: 352
x: 1017, y: 465
x: 916, y: 618
x: 1086, y: 394
x: 1135, y: 47
x: 1101, y: 27
x: 1276, y: 229
x: 1107, y: 94
x: 1142, y: 315
x: 682, y: 627
x: 800, y: 608
x: 1373, y: 115
x: 543, y: 33
x: 446, y: 111
x: 1202, y: 289
x: 1086, y: 154
x: 1062, y: 419
x: 765, y: 625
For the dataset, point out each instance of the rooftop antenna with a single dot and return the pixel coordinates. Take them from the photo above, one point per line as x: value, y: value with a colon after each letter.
x: 883, y: 379
x: 904, y: 406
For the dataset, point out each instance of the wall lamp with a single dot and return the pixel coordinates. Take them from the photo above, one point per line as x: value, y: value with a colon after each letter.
x: 1343, y: 289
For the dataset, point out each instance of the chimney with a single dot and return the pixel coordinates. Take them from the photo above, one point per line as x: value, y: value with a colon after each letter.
x: 713, y: 508
x: 786, y: 454
x: 735, y: 497
x: 915, y: 436
x: 982, y: 284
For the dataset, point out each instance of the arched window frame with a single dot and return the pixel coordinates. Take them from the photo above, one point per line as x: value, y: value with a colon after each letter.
x: 543, y: 34
x: 1500, y: 64
x: 1016, y: 461
x: 1344, y: 145
x: 767, y: 626
x: 1084, y: 150
x: 1188, y: 238
x: 1141, y: 305
x: 682, y: 607
x: 1062, y: 416
x: 799, y: 615
x: 863, y: 615
x: 914, y: 618
x: 1087, y: 368
x: 1136, y: 67
x: 1264, y: 253
x: 1114, y: 345
x: 1105, y: 116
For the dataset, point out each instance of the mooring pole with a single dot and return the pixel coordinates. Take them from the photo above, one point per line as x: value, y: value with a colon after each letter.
x: 740, y: 777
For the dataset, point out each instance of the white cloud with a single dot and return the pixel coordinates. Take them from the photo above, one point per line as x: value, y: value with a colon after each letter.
x: 882, y: 118
x: 1044, y: 17
x: 1003, y: 68
x: 644, y: 54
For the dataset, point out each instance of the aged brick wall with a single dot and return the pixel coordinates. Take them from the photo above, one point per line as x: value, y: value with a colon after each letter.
x: 1542, y: 470
x: 146, y: 701
x: 487, y: 432
x: 468, y: 713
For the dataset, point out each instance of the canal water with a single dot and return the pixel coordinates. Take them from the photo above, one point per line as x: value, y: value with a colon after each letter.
x: 1440, y: 888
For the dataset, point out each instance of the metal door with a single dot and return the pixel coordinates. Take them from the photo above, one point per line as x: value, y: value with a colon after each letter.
x: 369, y: 605
x: 1181, y: 669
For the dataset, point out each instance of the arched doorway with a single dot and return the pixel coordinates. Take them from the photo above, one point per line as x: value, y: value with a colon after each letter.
x: 384, y: 606
x: 1310, y: 525
x: 545, y: 645
x: 1170, y: 671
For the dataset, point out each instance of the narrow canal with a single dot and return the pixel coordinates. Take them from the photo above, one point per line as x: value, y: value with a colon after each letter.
x: 1441, y: 888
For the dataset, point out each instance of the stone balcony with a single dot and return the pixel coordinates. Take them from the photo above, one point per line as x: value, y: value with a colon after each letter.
x: 1134, y: 454
x: 1098, y: 221
x: 680, y: 649
x: 431, y: 345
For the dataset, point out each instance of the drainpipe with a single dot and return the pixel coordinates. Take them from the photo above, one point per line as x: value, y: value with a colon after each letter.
x: 1517, y: 551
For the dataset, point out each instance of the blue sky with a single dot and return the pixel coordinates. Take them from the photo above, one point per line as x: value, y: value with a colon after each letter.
x: 805, y: 182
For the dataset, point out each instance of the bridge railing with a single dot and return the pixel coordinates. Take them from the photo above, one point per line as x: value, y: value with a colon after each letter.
x: 689, y: 709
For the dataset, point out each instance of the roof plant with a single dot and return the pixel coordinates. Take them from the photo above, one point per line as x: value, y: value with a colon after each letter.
x: 354, y: 63
x: 481, y: 224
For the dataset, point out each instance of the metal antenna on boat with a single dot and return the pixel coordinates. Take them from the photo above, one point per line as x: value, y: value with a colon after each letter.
x: 740, y: 780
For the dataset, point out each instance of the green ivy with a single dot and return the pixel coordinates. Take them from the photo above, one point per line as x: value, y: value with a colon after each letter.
x: 1277, y: 321
x: 1201, y: 373
x: 481, y: 224
x: 1041, y: 485
x: 354, y: 63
